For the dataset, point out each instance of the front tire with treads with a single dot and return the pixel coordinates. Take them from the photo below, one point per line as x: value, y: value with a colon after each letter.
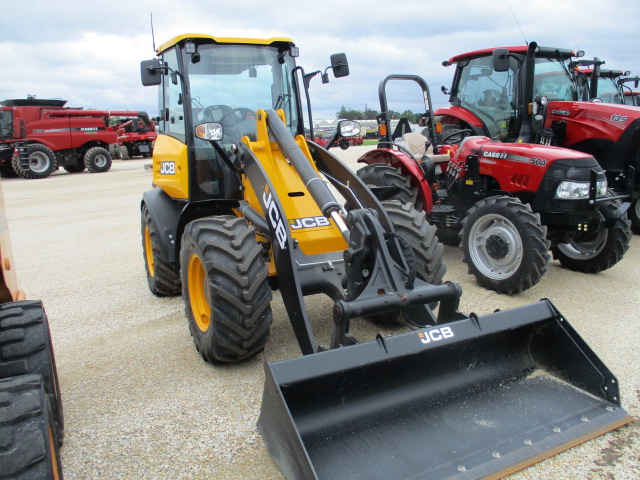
x: 225, y: 288
x: 163, y: 276
x: 504, y: 244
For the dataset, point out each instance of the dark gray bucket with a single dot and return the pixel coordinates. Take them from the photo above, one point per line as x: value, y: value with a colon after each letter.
x: 475, y: 398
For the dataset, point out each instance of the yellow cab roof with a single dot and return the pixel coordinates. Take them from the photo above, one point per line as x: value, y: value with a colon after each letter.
x: 229, y: 40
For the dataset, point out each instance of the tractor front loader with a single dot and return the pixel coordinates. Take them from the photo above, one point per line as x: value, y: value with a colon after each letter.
x: 242, y: 205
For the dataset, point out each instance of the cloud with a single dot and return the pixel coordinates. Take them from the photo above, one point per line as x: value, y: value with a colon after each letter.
x: 89, y: 52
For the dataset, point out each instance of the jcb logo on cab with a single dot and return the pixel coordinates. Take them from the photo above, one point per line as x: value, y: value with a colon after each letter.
x: 168, y: 168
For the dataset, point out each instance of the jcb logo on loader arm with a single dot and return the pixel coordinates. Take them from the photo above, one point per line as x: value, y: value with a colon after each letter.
x: 275, y: 218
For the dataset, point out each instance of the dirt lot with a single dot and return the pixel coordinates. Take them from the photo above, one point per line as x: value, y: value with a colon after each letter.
x: 139, y: 401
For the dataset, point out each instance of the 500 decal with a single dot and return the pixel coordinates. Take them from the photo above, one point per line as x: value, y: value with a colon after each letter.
x: 540, y: 162
x: 275, y: 218
x: 168, y: 168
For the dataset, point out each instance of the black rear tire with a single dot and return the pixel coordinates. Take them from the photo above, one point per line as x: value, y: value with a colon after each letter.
x: 97, y: 160
x: 225, y: 288
x: 42, y: 162
x: 163, y: 277
x: 383, y: 175
x: 504, y: 244
x: 413, y: 228
x: 25, y: 348
x: 28, y: 449
x: 634, y: 216
x: 601, y: 254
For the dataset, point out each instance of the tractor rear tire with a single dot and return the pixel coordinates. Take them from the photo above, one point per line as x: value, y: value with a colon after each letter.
x: 97, y: 160
x: 163, y: 277
x: 383, y: 175
x: 412, y: 226
x: 601, y: 254
x: 26, y: 349
x: 225, y: 288
x: 123, y: 153
x: 634, y: 216
x: 28, y: 449
x: 42, y: 162
x: 504, y: 244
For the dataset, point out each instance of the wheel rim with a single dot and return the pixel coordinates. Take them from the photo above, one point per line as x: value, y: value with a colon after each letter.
x: 148, y: 251
x: 198, y: 293
x: 38, y: 162
x: 585, y: 250
x: 100, y: 160
x: 54, y: 459
x: 495, y: 247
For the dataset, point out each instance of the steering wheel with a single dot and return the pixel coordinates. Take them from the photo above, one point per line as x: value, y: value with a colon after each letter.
x: 464, y: 133
x: 237, y: 115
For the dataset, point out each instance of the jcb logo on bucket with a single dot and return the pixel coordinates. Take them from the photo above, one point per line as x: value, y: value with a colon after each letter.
x: 435, y: 335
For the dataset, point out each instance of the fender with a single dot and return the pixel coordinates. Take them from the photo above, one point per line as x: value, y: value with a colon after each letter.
x: 165, y: 215
x: 399, y: 159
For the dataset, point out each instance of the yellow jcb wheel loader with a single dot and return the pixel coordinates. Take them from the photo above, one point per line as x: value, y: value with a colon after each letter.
x: 241, y: 205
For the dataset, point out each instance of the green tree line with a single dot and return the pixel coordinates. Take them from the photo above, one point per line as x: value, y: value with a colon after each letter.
x: 370, y: 114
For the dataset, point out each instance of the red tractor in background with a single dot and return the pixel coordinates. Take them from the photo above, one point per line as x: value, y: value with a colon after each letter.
x: 599, y: 84
x: 37, y: 136
x: 530, y: 94
x: 508, y: 202
x: 135, y: 137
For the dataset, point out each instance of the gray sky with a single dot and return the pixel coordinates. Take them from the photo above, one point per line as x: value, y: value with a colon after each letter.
x: 89, y: 53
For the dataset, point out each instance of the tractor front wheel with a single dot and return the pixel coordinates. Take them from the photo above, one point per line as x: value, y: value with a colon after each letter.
x: 97, y: 160
x: 504, y: 244
x: 225, y: 288
x: 604, y: 252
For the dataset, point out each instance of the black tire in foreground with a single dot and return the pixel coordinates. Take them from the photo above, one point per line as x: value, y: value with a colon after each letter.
x: 163, y: 277
x: 504, y: 244
x: 413, y: 228
x: 634, y: 216
x: 28, y: 449
x: 25, y: 349
x: 383, y: 175
x: 604, y: 252
x: 225, y: 288
x: 42, y: 162
x: 97, y: 160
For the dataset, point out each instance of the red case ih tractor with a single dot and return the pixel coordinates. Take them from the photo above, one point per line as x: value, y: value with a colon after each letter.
x: 37, y: 136
x: 509, y: 202
x: 531, y: 94
x: 135, y: 137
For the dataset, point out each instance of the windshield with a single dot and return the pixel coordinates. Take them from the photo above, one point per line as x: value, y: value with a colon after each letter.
x: 6, y: 118
x: 609, y: 91
x: 553, y: 80
x: 488, y: 94
x: 228, y: 83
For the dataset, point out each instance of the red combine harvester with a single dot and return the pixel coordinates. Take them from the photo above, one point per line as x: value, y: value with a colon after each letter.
x: 531, y: 94
x: 37, y: 136
x: 135, y: 137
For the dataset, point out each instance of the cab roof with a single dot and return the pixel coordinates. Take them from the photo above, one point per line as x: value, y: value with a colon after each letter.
x: 223, y: 40
x: 522, y: 49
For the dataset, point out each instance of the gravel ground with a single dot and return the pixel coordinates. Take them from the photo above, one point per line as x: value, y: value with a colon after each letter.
x: 139, y: 401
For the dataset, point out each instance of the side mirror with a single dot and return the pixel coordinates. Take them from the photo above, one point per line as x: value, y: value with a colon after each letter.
x: 500, y: 60
x: 340, y: 65
x: 151, y: 72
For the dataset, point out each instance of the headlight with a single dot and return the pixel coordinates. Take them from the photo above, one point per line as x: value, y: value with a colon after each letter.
x: 579, y: 190
x: 209, y: 131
